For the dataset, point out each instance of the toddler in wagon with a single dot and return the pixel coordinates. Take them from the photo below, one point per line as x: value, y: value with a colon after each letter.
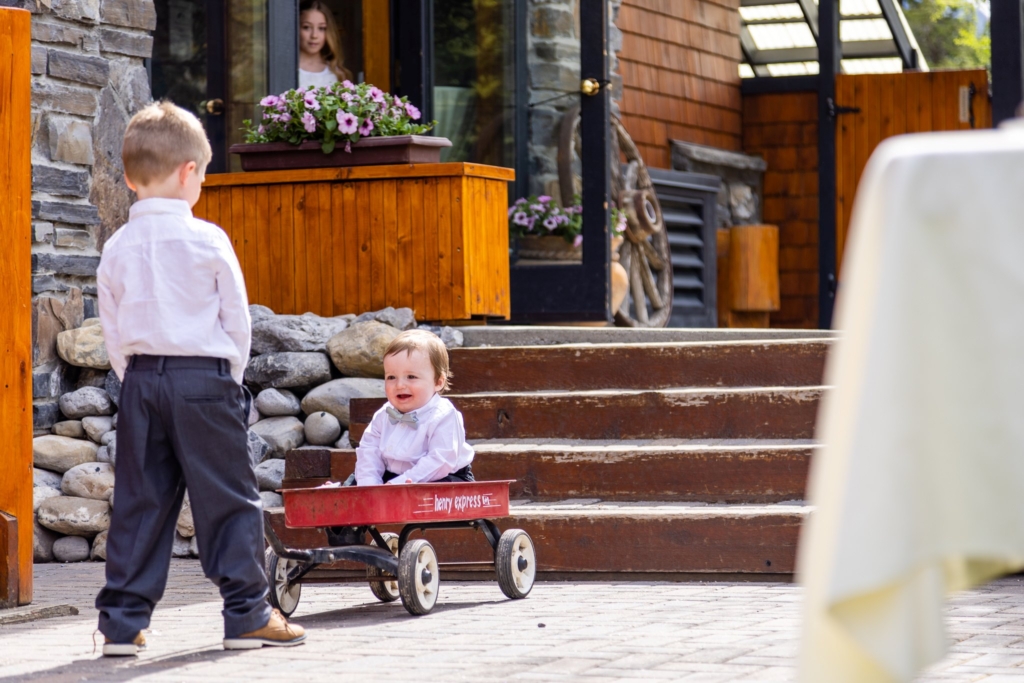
x: 418, y: 436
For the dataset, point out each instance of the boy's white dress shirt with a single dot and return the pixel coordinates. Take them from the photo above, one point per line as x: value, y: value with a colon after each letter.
x: 170, y: 285
x: 431, y: 450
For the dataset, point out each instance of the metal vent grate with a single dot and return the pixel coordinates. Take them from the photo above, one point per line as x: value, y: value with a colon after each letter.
x: 688, y: 207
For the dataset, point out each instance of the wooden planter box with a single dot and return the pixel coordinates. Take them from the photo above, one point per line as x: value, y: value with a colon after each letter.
x: 393, y: 149
x: 432, y: 237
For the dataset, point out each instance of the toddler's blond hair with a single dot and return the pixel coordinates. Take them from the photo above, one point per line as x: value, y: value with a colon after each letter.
x: 159, y: 139
x: 428, y: 342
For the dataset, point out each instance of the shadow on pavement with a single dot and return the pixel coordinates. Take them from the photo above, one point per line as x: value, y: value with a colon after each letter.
x: 369, y: 613
x: 121, y: 668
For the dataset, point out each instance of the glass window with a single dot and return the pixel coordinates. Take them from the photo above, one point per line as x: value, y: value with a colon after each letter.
x: 474, y: 85
x: 178, y: 71
x: 247, y: 68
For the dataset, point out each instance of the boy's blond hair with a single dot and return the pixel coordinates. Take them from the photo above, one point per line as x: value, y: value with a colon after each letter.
x: 429, y: 343
x: 159, y: 139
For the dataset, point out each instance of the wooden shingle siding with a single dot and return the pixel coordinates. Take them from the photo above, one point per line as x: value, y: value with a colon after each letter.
x: 679, y: 64
x: 783, y: 128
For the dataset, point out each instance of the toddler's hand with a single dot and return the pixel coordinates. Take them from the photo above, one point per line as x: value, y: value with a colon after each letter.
x: 396, y: 480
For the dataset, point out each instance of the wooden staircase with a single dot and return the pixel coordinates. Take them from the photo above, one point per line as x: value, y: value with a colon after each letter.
x: 666, y: 460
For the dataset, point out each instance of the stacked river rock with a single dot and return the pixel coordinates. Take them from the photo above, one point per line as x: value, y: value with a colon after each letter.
x: 303, y: 372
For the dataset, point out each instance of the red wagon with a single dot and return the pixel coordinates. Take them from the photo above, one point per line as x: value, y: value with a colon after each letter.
x: 397, y: 566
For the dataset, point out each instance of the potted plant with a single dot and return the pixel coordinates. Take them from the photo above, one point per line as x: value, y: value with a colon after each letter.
x: 549, y: 232
x: 341, y: 125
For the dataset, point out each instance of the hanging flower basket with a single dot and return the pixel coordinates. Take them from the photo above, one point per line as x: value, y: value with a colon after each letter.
x: 341, y: 125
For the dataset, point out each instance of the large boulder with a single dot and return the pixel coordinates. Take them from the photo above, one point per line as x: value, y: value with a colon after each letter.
x: 271, y: 499
x: 182, y: 546
x: 71, y: 549
x: 96, y: 426
x: 359, y: 350
x: 46, y: 478
x: 108, y: 438
x: 91, y: 480
x: 60, y: 453
x: 334, y: 397
x: 75, y: 516
x: 112, y: 385
x: 288, y: 369
x: 451, y: 337
x: 306, y: 332
x: 42, y: 543
x: 281, y: 433
x: 186, y: 525
x: 399, y: 318
x: 41, y: 493
x: 85, y: 402
x: 99, y: 546
x: 84, y: 347
x: 277, y: 402
x: 259, y: 449
x: 72, y: 429
x: 269, y: 474
x: 258, y: 313
x: 322, y: 429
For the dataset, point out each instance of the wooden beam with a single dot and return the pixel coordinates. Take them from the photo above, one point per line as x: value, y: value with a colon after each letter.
x: 377, y: 43
x: 16, y: 288
x: 9, y: 569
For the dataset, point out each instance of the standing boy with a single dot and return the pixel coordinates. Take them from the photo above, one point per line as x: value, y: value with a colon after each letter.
x: 177, y: 329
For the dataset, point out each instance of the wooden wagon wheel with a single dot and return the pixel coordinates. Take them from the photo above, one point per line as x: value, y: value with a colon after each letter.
x: 645, y: 253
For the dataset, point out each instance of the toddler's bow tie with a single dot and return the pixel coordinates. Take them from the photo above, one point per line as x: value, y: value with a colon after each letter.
x: 397, y: 417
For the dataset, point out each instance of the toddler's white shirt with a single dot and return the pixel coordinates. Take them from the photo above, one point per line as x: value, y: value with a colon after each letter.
x: 169, y: 284
x: 431, y: 450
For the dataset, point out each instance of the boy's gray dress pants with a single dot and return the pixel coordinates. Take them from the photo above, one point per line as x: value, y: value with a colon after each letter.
x: 182, y: 422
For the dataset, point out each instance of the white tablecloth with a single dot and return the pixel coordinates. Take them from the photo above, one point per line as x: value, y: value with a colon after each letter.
x: 919, y: 489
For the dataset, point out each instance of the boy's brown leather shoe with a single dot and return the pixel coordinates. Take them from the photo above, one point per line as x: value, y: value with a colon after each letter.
x: 112, y: 649
x: 277, y: 633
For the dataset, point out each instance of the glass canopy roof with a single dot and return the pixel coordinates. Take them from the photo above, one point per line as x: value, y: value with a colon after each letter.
x: 780, y: 38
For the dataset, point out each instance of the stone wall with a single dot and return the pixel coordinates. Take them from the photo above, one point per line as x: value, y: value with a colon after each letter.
x: 88, y: 78
x: 554, y: 66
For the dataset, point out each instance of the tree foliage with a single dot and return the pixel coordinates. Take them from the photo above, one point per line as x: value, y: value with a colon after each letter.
x: 946, y: 31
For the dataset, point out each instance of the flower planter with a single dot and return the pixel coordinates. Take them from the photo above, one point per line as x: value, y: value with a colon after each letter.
x: 548, y: 248
x: 396, y: 149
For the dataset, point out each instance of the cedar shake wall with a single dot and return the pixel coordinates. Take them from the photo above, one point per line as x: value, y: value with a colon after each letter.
x: 680, y: 70
x: 783, y: 129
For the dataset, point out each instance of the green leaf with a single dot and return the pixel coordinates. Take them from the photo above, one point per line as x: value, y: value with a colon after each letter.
x: 328, y: 146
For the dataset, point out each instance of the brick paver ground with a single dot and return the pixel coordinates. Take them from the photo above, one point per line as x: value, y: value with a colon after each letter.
x: 563, y: 631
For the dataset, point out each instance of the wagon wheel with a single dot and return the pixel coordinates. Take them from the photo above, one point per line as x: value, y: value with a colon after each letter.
x: 645, y: 254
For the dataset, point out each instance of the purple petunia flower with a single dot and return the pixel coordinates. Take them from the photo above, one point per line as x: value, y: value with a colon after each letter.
x: 308, y: 122
x: 538, y: 208
x: 270, y: 101
x: 511, y: 209
x: 578, y: 241
x: 366, y: 128
x: 347, y: 96
x: 260, y: 130
x: 412, y: 111
x: 285, y: 117
x: 544, y: 199
x: 347, y: 83
x: 376, y: 94
x: 550, y: 223
x: 347, y: 123
x: 310, y: 99
x: 520, y: 218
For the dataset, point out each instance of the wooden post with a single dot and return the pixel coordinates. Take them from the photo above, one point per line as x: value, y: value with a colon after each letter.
x: 16, y: 291
x: 377, y: 43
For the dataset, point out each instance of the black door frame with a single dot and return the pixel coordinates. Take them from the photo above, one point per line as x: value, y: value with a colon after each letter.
x: 559, y: 293
x: 216, y: 81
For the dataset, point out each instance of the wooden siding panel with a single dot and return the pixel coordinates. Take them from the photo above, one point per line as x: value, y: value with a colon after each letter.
x: 680, y: 71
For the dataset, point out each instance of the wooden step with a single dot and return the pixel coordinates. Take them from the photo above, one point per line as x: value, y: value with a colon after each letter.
x: 721, y: 472
x: 737, y: 413
x: 643, y: 540
x: 583, y: 367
